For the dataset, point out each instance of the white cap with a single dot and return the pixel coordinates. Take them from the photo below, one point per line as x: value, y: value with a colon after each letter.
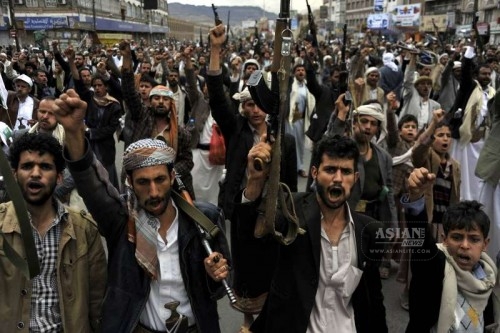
x: 24, y: 78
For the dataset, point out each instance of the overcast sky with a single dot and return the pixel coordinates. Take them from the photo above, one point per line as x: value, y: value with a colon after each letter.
x: 269, y: 5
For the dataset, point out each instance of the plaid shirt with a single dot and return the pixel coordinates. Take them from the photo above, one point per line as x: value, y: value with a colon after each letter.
x: 139, y: 123
x: 45, y: 313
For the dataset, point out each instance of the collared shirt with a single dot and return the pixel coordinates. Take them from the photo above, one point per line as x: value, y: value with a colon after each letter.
x: 45, y: 315
x: 25, y: 111
x: 338, y: 279
x: 170, y: 286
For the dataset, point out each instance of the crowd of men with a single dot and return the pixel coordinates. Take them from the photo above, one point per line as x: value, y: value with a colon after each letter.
x: 411, y: 145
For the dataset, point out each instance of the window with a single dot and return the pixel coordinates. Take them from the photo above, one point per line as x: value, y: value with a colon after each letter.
x: 32, y: 3
x: 488, y: 15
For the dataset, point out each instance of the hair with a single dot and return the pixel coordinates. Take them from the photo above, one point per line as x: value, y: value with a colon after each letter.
x: 79, y: 54
x: 479, y: 66
x: 147, y: 78
x: 299, y: 65
x: 36, y: 71
x: 466, y: 215
x: 336, y: 147
x: 39, y: 142
x: 84, y: 68
x: 334, y: 68
x: 48, y: 98
x: 407, y: 118
x: 99, y: 77
x: 442, y: 123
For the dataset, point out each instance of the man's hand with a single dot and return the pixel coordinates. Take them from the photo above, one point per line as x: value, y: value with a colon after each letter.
x: 216, y: 266
x: 55, y: 45
x: 125, y: 49
x: 70, y: 110
x: 257, y: 178
x: 437, y: 116
x: 217, y: 36
x: 101, y: 68
x: 342, y: 109
x: 419, y: 181
x: 359, y: 82
x: 392, y: 101
x: 70, y: 53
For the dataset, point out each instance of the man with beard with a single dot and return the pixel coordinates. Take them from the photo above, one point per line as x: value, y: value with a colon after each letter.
x: 66, y: 296
x: 144, y: 69
x: 159, y: 117
x: 161, y: 279
x: 416, y: 95
x: 21, y: 106
x: 372, y: 195
x: 327, y: 280
x: 181, y: 100
x: 475, y: 92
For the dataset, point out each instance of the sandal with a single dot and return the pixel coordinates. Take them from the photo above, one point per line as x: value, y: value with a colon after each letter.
x: 302, y: 174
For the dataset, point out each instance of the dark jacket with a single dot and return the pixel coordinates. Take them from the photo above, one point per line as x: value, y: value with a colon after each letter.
x: 128, y: 284
x: 239, y: 140
x: 325, y: 95
x: 102, y: 127
x: 295, y: 282
x: 426, y: 287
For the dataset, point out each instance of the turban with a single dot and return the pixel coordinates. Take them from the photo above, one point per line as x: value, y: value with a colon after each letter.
x: 371, y: 70
x: 161, y: 91
x: 457, y: 64
x: 373, y: 110
x: 147, y: 152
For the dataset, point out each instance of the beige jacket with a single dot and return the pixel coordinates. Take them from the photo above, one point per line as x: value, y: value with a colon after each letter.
x: 81, y: 280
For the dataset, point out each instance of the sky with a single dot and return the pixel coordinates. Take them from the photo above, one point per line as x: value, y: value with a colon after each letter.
x: 268, y: 5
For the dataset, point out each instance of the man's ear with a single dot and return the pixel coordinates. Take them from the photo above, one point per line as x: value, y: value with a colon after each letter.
x: 314, y: 172
x: 59, y: 179
x: 172, y: 177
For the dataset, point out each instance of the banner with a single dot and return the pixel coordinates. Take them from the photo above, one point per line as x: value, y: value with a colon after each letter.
x: 378, y: 21
x: 441, y: 22
x: 407, y: 16
x: 378, y: 5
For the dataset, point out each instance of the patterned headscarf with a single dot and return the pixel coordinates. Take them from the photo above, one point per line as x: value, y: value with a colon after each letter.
x: 142, y: 226
x: 147, y: 152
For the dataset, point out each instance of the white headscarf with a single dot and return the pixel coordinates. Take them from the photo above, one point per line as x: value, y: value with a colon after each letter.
x: 388, y: 60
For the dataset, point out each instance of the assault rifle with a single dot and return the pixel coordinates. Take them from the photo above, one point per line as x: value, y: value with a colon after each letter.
x: 344, y: 77
x: 275, y: 103
x: 218, y: 21
x: 312, y: 25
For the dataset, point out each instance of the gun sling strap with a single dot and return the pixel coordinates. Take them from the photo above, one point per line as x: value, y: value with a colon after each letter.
x: 29, y: 266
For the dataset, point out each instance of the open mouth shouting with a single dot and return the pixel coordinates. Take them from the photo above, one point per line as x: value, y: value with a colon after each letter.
x: 34, y: 187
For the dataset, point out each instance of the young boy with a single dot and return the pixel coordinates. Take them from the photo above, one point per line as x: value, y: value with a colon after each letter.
x: 400, y: 142
x: 432, y: 152
x: 452, y: 287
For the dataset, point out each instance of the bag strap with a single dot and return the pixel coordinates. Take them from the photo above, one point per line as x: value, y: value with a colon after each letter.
x: 194, y: 213
x: 29, y: 267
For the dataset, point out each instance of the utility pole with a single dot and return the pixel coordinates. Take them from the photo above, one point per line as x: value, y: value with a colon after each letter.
x: 93, y: 16
x: 13, y: 28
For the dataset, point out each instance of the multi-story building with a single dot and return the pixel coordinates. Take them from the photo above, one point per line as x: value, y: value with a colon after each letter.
x: 69, y: 21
